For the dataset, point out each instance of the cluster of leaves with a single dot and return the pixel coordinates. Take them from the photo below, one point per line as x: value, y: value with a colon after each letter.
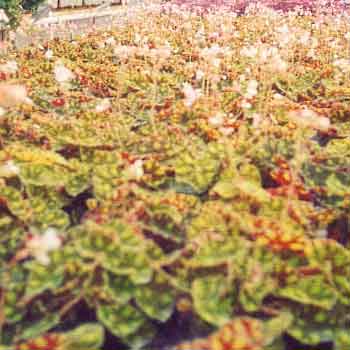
x: 14, y: 9
x: 223, y: 208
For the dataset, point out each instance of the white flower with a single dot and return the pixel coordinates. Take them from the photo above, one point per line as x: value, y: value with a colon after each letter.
x: 308, y: 118
x: 39, y: 246
x: 304, y: 39
x: 278, y: 64
x: 10, y: 67
x: 9, y: 169
x: 246, y: 105
x: 347, y: 36
x: 160, y: 53
x: 63, y: 74
x: 103, y: 105
x: 110, y: 41
x: 342, y: 64
x: 267, y: 52
x: 191, y: 94
x: 137, y: 38
x: 214, y: 35
x: 216, y: 62
x: 278, y: 96
x: 311, y: 53
x: 2, y: 111
x: 13, y: 95
x: 314, y: 42
x: 284, y: 29
x: 123, y: 51
x: 199, y: 74
x: 212, y: 51
x: 321, y: 233
x: 256, y: 120
x: 253, y: 84
x: 226, y: 131
x: 48, y: 54
x: 216, y: 120
x: 249, y: 52
x: 136, y: 169
x: 252, y: 89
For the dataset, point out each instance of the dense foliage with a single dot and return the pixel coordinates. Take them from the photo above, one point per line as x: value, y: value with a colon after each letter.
x: 13, y: 10
x: 179, y: 170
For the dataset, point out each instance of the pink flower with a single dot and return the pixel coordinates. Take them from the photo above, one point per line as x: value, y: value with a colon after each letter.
x: 48, y: 54
x: 63, y: 74
x: 199, y: 74
x: 39, y: 246
x: 308, y: 118
x: 246, y: 105
x: 136, y: 169
x: 13, y: 95
x: 103, y: 105
x: 191, y: 94
x: 252, y: 89
x: 217, y: 120
x: 10, y: 67
x: 9, y: 169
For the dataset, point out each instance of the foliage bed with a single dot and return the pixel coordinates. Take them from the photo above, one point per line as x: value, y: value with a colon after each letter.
x: 180, y: 170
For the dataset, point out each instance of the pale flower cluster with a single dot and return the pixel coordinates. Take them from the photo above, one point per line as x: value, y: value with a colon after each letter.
x: 309, y: 119
x: 10, y: 67
x: 123, y: 52
x: 12, y: 95
x: 39, y: 246
x: 265, y: 55
x: 190, y: 94
x: 62, y: 73
x: 135, y: 170
x: 9, y: 169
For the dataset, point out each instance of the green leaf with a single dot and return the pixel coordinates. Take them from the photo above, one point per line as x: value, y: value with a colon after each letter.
x: 43, y: 175
x: 311, y: 333
x: 310, y: 291
x: 86, y: 337
x: 42, y: 278
x: 215, y: 253
x: 156, y: 300
x: 241, y: 187
x: 123, y: 321
x: 256, y: 284
x: 342, y: 339
x: 333, y: 259
x: 335, y: 186
x: 225, y: 189
x: 144, y: 335
x: 276, y: 345
x: 196, y: 170
x: 77, y: 184
x: 213, y: 299
x: 120, y: 288
x: 275, y: 327
x: 38, y: 328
